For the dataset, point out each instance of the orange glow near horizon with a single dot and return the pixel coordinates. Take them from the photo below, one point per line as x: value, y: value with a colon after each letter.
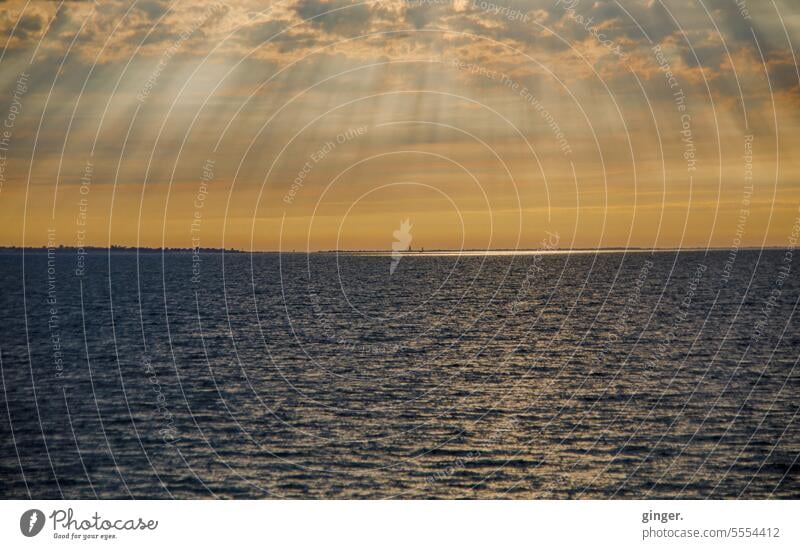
x: 203, y: 124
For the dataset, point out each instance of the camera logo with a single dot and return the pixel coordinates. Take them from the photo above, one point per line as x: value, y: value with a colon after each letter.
x: 31, y: 522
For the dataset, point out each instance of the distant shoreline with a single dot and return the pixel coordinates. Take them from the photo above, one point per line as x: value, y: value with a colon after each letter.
x: 380, y: 253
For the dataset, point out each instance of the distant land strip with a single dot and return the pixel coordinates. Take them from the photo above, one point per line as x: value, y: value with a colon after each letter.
x: 421, y: 252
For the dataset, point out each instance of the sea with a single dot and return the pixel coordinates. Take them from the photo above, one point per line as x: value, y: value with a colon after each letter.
x: 540, y: 375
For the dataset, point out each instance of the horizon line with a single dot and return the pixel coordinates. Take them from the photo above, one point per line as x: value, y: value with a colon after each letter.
x: 422, y: 252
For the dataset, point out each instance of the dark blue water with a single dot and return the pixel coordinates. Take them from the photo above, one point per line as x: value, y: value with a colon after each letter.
x: 563, y: 376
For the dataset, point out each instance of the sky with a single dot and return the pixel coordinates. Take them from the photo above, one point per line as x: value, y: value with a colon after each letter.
x: 326, y: 124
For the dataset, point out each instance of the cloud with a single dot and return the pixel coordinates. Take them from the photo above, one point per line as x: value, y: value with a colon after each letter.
x: 153, y: 9
x: 336, y: 16
x: 30, y: 25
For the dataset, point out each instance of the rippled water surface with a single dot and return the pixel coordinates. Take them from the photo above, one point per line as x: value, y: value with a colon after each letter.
x: 306, y: 376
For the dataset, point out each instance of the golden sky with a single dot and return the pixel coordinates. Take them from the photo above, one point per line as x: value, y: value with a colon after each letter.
x: 321, y: 124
